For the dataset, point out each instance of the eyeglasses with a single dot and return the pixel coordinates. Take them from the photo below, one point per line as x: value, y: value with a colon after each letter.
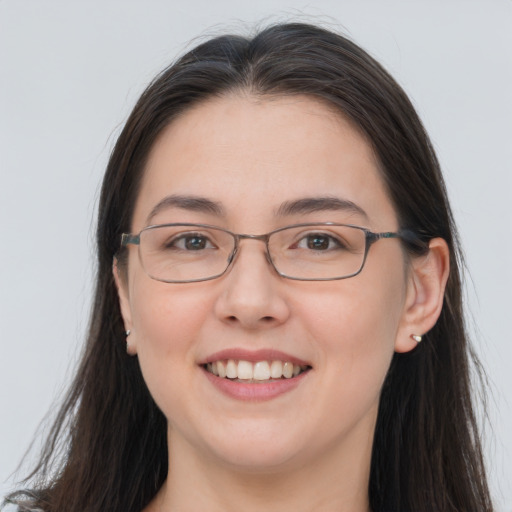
x: 186, y: 253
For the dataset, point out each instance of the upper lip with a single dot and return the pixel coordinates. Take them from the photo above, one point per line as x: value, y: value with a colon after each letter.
x: 253, y: 356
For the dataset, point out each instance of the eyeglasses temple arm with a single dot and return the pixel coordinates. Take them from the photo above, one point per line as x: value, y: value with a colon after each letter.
x: 413, y: 240
x: 128, y: 238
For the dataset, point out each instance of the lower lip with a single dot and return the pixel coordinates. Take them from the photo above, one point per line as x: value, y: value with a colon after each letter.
x: 255, y: 392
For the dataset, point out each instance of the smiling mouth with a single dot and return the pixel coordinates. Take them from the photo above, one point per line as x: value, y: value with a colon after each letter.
x: 258, y: 372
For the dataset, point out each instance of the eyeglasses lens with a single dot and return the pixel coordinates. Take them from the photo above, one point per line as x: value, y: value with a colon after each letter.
x: 181, y: 253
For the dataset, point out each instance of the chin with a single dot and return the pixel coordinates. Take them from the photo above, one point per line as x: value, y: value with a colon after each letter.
x: 258, y: 459
x: 254, y: 447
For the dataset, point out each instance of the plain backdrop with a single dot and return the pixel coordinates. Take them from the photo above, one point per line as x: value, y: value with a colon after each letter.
x: 70, y: 71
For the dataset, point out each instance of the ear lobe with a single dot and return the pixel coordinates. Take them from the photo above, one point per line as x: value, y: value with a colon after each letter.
x: 124, y: 304
x: 428, y: 275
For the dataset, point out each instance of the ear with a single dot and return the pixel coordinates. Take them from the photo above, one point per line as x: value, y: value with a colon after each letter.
x: 426, y: 283
x: 120, y: 279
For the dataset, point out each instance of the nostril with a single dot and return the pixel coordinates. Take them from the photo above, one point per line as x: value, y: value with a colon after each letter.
x: 264, y: 319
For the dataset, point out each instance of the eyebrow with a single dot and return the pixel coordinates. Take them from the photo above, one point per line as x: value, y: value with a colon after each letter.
x: 300, y: 206
x: 191, y: 203
x: 316, y: 204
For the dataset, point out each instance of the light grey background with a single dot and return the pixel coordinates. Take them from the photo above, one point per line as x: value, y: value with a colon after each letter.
x: 70, y: 72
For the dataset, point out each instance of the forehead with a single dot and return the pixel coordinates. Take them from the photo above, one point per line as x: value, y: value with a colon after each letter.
x: 252, y: 154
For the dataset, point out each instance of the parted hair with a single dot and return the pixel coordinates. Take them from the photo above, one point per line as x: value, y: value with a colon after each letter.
x: 107, y: 449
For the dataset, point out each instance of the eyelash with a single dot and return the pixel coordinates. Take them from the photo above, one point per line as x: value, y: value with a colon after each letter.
x: 338, y: 244
x: 185, y: 237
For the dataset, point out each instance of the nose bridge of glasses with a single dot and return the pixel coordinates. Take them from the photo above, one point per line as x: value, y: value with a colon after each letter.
x: 244, y: 236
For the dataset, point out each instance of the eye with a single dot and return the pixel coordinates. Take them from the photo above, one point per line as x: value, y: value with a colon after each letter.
x: 319, y: 242
x: 190, y: 242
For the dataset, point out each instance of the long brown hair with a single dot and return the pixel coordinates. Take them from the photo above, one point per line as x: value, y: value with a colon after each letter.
x: 107, y: 449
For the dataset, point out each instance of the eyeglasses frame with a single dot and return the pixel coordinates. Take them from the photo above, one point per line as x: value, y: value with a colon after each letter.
x: 370, y: 239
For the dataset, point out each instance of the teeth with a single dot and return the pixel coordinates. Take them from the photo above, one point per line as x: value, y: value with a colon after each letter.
x: 245, y: 370
x: 231, y: 369
x: 287, y: 370
x: 276, y: 369
x: 221, y: 369
x: 260, y: 371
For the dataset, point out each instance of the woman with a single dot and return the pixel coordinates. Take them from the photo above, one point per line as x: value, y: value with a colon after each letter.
x: 278, y: 320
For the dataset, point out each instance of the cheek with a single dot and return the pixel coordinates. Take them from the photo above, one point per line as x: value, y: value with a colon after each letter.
x: 354, y: 333
x: 167, y: 320
x: 354, y: 327
x: 355, y: 315
x: 166, y: 316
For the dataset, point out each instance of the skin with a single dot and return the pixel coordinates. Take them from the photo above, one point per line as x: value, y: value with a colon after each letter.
x: 310, y: 448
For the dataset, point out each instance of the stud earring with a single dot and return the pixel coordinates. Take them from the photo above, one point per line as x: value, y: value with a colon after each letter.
x: 416, y: 337
x: 129, y: 348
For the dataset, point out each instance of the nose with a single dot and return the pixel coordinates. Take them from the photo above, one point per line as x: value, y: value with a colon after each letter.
x: 252, y: 293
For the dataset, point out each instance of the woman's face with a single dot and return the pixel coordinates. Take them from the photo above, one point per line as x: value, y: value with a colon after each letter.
x: 252, y: 158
